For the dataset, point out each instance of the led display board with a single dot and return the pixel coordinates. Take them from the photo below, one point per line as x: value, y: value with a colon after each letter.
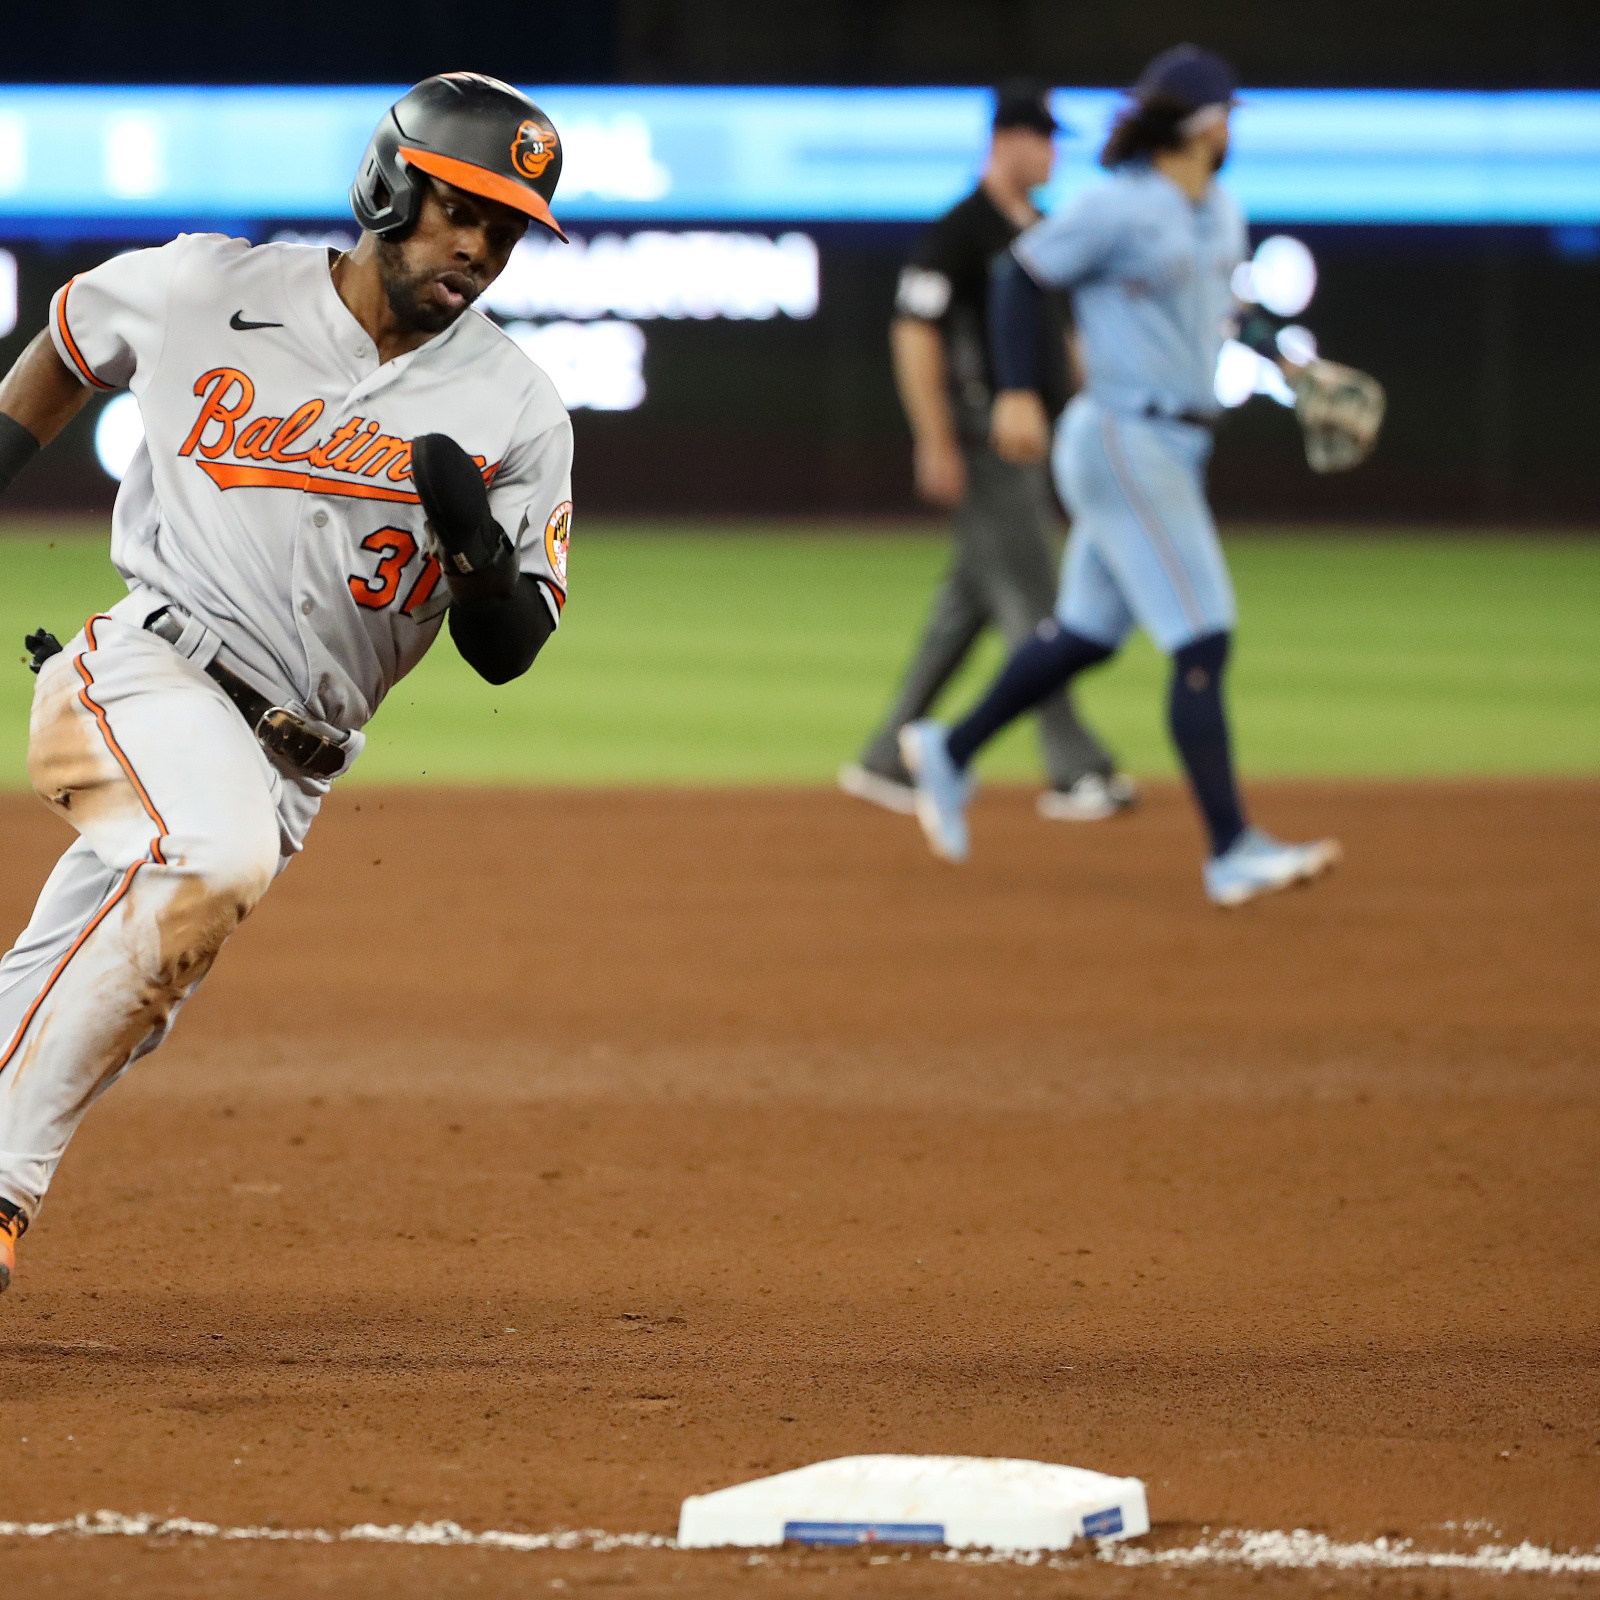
x: 72, y: 156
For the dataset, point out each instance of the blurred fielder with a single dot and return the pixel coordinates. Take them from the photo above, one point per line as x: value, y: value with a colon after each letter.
x: 1149, y: 255
x: 1003, y: 574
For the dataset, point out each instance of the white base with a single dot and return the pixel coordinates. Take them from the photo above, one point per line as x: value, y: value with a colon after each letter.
x: 951, y: 1500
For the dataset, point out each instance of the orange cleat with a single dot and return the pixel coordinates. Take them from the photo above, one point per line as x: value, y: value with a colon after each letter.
x: 13, y: 1224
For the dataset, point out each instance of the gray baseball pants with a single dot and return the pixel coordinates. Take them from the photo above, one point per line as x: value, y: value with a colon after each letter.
x: 1003, y: 576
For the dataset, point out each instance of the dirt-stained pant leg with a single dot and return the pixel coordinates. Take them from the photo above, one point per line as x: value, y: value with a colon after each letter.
x: 181, y: 829
x: 1008, y: 553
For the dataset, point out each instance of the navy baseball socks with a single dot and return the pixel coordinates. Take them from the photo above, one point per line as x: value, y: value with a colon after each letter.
x: 1199, y: 726
x: 1050, y: 659
x: 1244, y: 862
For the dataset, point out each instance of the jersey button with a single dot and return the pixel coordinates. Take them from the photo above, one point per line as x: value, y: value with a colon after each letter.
x: 321, y: 519
x: 307, y: 607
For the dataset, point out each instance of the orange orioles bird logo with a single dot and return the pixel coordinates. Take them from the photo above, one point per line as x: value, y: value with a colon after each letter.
x: 533, y: 149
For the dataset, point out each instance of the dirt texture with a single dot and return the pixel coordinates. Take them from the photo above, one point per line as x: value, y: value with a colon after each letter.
x: 537, y: 1159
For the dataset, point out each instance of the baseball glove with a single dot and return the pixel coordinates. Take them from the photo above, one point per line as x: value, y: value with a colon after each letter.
x: 470, y: 545
x: 1340, y: 412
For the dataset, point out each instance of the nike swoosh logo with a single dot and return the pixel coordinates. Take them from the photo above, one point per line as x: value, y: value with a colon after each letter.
x: 239, y: 325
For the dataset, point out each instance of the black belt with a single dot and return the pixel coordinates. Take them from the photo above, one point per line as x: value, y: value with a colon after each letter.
x: 276, y: 728
x: 1195, y: 419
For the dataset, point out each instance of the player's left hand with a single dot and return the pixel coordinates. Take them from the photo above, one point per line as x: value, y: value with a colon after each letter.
x: 473, y: 550
x: 1019, y: 429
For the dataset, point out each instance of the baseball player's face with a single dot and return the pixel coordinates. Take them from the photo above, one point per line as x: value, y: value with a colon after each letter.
x: 459, y: 246
x: 1216, y: 142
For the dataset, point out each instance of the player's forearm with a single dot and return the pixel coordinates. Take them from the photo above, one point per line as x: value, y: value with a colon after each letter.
x: 38, y: 398
x: 41, y: 392
x: 1016, y: 309
x: 499, y: 635
x: 921, y: 377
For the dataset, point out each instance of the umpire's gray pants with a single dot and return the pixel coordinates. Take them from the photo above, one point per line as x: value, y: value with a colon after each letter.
x: 1003, y: 576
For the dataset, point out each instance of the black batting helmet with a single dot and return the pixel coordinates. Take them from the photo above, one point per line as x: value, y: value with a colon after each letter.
x: 470, y: 131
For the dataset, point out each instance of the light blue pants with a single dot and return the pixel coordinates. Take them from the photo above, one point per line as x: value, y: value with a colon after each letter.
x: 1143, y: 550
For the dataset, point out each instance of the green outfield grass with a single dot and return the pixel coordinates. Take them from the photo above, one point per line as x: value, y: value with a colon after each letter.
x: 727, y: 657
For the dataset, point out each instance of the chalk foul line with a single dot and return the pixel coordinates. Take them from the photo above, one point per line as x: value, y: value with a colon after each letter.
x: 1303, y: 1551
x: 1298, y: 1550
x: 427, y: 1533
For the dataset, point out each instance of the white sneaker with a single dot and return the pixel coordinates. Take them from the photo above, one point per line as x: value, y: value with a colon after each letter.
x: 1091, y: 799
x: 865, y: 784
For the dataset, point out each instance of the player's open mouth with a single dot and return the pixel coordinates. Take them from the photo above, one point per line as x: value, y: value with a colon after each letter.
x: 454, y: 290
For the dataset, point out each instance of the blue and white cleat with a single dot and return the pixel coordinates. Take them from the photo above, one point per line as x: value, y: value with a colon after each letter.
x: 1257, y: 864
x: 942, y: 790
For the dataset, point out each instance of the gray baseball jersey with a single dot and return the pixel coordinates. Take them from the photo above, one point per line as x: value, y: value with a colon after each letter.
x: 271, y: 498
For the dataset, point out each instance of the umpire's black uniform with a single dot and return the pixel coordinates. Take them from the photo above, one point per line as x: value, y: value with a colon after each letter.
x: 1004, y: 572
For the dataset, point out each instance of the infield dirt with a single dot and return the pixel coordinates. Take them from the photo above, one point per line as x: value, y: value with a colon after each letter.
x: 537, y: 1159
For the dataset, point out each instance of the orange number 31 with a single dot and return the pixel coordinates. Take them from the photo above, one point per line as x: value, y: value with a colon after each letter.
x: 395, y: 549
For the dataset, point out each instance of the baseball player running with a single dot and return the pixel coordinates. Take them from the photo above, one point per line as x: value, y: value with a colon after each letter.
x: 335, y: 458
x: 1149, y: 256
x: 1003, y: 574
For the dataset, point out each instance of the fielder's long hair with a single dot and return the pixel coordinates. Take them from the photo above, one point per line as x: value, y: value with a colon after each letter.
x: 1143, y: 128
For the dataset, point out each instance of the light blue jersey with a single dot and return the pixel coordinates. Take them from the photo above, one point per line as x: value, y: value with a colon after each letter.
x: 1150, y: 272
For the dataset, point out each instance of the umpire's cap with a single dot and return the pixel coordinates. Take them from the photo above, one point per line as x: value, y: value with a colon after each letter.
x: 473, y: 132
x: 1024, y: 103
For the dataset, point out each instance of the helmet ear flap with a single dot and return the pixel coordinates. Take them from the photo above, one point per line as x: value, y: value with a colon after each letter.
x: 385, y: 196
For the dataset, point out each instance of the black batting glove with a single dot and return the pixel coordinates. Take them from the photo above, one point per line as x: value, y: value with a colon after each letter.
x: 478, y: 559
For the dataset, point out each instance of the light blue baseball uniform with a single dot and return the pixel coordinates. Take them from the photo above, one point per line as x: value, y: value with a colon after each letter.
x: 1150, y: 272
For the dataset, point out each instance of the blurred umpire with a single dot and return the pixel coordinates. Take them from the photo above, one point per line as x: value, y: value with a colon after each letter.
x: 1003, y: 574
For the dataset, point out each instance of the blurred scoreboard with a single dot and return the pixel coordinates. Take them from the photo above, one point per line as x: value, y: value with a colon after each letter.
x: 718, y: 322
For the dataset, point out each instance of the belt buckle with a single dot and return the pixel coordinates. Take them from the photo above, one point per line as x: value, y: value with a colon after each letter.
x: 284, y: 731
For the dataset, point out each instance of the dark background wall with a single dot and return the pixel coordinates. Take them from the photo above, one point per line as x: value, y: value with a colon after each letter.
x: 1486, y: 339
x: 1396, y: 43
x: 1441, y: 43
